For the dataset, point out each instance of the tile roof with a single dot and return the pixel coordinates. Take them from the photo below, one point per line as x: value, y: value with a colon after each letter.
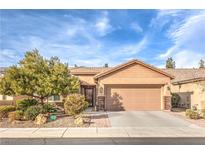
x: 131, y: 62
x: 181, y: 74
x: 186, y: 74
x: 88, y: 70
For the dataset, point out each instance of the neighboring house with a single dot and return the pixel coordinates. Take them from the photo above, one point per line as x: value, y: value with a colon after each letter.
x: 4, y: 100
x: 136, y: 86
x: 190, y: 85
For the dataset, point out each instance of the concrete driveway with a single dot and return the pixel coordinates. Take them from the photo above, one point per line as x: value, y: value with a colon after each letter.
x: 145, y: 119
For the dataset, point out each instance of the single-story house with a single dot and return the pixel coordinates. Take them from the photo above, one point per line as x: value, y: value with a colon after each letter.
x: 133, y: 85
x: 190, y: 85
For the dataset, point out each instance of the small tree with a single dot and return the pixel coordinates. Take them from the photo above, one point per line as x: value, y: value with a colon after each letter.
x: 201, y: 63
x: 38, y: 78
x: 106, y: 65
x: 74, y: 85
x: 170, y: 63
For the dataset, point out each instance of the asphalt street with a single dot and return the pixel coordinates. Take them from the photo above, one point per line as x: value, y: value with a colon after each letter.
x: 105, y: 141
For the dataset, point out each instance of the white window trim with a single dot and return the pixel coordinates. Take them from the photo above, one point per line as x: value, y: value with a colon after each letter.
x: 52, y: 100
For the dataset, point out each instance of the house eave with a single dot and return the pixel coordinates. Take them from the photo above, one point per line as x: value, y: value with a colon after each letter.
x: 188, y: 81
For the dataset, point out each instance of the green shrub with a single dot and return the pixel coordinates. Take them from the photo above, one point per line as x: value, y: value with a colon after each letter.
x: 194, y: 107
x: 48, y: 108
x: 25, y: 103
x: 15, y: 115
x: 195, y: 115
x: 192, y: 114
x: 32, y: 112
x: 19, y: 114
x: 5, y: 109
x: 75, y: 104
x: 188, y: 112
x: 175, y: 99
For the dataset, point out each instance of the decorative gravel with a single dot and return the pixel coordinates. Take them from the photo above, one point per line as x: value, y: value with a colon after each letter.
x: 181, y: 114
x: 100, y: 120
x: 92, y: 120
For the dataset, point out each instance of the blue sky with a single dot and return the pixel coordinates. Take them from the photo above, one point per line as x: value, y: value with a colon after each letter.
x: 96, y: 37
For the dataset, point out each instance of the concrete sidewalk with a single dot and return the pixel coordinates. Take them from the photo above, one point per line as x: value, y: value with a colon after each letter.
x: 112, y: 132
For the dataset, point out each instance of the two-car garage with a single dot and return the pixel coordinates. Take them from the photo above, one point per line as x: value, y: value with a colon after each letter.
x: 134, y: 86
x: 133, y: 97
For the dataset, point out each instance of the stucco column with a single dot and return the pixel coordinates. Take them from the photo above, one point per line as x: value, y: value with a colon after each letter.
x: 100, y: 96
x: 167, y: 97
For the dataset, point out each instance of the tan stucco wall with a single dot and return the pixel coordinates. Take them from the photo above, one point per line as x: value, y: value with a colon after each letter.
x: 136, y: 74
x: 8, y: 98
x: 195, y: 90
x: 89, y: 79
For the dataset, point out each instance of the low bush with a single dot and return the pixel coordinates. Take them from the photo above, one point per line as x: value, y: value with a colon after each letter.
x: 75, y: 104
x: 19, y: 114
x: 32, y: 112
x: 15, y: 115
x: 48, y: 108
x: 188, y: 112
x: 192, y: 114
x: 195, y: 115
x: 175, y: 99
x: 25, y: 103
x: 5, y: 109
x: 194, y: 107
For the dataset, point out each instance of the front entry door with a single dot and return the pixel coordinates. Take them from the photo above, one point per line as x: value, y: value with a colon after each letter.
x: 89, y: 96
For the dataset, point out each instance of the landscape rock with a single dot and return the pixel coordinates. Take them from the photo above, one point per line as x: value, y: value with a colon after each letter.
x: 40, y: 119
x: 79, y: 121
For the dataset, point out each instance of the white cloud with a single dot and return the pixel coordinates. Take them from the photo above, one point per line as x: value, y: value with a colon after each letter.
x: 98, y: 57
x: 135, y: 48
x: 168, y: 52
x: 192, y: 28
x: 188, y: 38
x: 73, y: 39
x: 103, y: 25
x: 136, y: 27
x: 71, y: 31
x: 93, y: 62
x: 8, y: 57
x: 7, y: 53
x: 128, y: 51
x: 167, y: 12
x: 79, y: 40
x: 35, y: 41
x: 163, y: 17
x: 187, y: 59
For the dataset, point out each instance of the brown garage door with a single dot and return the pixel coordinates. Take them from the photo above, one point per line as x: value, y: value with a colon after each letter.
x: 129, y: 97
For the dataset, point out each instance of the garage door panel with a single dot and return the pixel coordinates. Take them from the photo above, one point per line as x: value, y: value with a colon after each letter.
x: 131, y: 98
